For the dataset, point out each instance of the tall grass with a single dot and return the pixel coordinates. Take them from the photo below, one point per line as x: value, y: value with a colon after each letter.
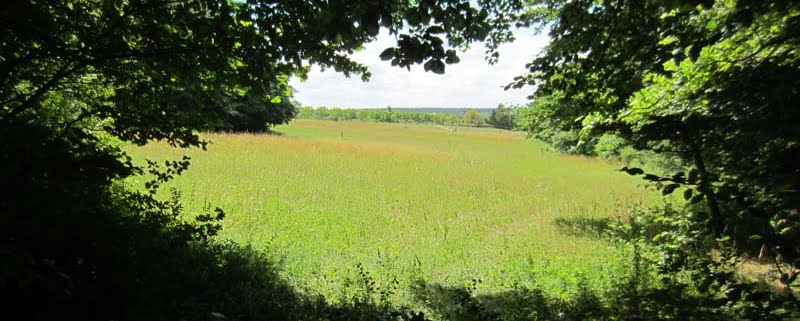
x: 409, y: 202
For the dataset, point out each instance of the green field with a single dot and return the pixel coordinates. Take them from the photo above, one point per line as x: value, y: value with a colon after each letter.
x: 409, y: 202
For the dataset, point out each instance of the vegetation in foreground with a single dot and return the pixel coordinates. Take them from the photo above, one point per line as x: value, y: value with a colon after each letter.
x: 79, y: 77
x: 709, y: 86
x: 711, y: 83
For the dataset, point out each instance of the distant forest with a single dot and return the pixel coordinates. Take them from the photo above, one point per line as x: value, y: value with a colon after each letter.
x: 485, y: 112
x: 500, y: 117
x: 459, y: 112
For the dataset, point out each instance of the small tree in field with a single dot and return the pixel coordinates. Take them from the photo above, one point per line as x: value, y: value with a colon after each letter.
x: 472, y: 117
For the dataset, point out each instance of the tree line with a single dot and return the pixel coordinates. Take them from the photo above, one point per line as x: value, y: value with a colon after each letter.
x: 386, y: 115
x: 501, y: 117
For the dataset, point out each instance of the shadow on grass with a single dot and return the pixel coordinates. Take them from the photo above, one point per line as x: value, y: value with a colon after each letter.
x: 584, y: 226
x: 625, y: 301
x: 607, y: 227
x: 273, y: 133
x: 75, y: 245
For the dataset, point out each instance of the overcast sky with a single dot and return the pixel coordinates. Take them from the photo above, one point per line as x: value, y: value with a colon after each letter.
x: 470, y: 83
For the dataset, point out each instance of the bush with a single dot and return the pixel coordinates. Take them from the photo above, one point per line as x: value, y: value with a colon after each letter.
x: 628, y: 155
x: 569, y: 142
x: 564, y: 141
x: 609, y: 146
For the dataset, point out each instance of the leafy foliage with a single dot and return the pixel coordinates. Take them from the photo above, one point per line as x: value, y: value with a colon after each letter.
x: 609, y: 146
x: 82, y: 77
x: 706, y: 82
x: 250, y: 114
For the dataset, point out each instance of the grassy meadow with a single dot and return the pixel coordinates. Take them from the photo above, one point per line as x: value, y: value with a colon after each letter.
x: 406, y: 202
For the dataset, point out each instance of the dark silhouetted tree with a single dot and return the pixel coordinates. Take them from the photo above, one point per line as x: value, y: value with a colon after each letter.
x: 79, y: 77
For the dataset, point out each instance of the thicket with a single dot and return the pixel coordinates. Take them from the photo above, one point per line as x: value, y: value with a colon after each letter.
x: 707, y: 87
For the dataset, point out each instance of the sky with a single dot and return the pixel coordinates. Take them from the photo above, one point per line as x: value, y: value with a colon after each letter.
x: 472, y: 83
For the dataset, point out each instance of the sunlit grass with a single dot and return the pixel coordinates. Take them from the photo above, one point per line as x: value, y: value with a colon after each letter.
x: 408, y: 202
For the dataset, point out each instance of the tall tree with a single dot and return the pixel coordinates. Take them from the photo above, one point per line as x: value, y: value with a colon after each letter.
x: 78, y: 77
x: 710, y: 82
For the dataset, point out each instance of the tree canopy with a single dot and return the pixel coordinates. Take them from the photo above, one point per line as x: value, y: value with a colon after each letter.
x: 711, y: 83
x: 162, y: 69
x: 81, y: 77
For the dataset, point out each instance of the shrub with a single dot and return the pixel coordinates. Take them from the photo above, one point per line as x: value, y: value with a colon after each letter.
x: 564, y: 141
x: 628, y: 155
x: 569, y: 142
x: 609, y: 145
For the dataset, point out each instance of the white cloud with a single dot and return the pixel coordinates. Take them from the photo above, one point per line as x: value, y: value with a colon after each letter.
x: 470, y: 83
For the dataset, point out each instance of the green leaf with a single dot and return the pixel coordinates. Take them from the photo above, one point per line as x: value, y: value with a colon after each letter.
x: 668, y: 41
x: 670, y: 65
x: 387, y: 54
x: 435, y: 65
x: 712, y: 25
x: 372, y: 27
x: 451, y: 57
x: 452, y: 60
x: 435, y: 29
